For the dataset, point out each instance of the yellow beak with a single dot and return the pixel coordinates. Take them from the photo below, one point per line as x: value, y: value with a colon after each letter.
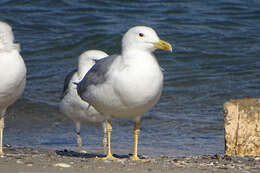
x: 163, y: 45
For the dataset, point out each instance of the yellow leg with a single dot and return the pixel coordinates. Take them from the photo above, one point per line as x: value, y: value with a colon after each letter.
x: 109, y: 154
x: 1, y: 135
x: 104, y: 124
x: 136, y: 134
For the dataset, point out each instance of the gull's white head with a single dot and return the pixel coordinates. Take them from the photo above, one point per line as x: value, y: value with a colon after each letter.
x: 143, y: 38
x: 87, y: 60
x: 7, y: 37
x: 92, y: 54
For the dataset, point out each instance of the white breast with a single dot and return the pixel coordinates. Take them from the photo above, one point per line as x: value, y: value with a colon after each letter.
x: 12, y: 75
x: 136, y: 88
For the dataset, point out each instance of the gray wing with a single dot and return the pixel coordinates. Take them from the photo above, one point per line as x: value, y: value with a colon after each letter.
x: 96, y: 75
x: 67, y: 82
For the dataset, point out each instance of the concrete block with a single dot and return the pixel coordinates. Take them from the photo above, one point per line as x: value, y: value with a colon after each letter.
x: 242, y: 127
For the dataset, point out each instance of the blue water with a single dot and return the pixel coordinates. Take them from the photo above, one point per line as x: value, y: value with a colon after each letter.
x: 216, y: 57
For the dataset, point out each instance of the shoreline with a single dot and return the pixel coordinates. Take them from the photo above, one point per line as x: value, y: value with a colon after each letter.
x: 37, y: 160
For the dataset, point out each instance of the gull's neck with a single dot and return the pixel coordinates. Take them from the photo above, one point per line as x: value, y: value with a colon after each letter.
x: 131, y: 53
x: 84, y: 66
x: 7, y: 42
x: 5, y: 47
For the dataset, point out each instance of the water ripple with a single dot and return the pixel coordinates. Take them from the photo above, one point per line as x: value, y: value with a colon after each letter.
x: 216, y: 58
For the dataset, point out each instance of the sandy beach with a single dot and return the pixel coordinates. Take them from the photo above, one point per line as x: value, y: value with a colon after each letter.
x: 29, y: 160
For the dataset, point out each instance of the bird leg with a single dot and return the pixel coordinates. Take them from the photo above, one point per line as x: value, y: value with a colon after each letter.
x: 1, y: 139
x: 136, y: 134
x: 105, y: 137
x: 1, y: 134
x: 79, y: 140
x: 109, y: 155
x: 135, y: 157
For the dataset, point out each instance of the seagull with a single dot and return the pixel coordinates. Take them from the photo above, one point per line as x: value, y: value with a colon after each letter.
x: 126, y: 85
x: 12, y: 73
x: 72, y: 105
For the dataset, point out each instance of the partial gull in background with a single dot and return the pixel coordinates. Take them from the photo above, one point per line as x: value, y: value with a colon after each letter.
x: 12, y: 74
x: 72, y: 105
x: 126, y: 85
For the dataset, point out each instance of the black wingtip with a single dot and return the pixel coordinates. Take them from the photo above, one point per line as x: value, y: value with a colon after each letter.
x: 75, y: 83
x: 78, y: 87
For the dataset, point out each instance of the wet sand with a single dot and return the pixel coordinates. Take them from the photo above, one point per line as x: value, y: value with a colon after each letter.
x: 29, y: 160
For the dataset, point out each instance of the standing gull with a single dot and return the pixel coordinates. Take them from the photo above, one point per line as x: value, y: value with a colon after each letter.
x: 126, y: 85
x: 72, y: 105
x: 12, y: 73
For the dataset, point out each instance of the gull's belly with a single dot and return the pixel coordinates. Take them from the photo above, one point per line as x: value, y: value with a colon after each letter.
x: 132, y: 94
x: 139, y: 91
x: 9, y: 93
x: 13, y: 78
x: 77, y: 109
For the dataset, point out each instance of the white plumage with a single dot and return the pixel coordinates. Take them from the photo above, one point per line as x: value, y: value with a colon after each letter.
x: 126, y: 85
x: 72, y: 105
x: 12, y: 73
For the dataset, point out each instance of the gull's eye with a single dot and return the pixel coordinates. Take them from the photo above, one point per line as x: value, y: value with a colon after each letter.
x: 141, y: 34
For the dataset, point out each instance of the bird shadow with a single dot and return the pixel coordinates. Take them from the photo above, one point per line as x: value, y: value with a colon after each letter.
x: 68, y: 153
